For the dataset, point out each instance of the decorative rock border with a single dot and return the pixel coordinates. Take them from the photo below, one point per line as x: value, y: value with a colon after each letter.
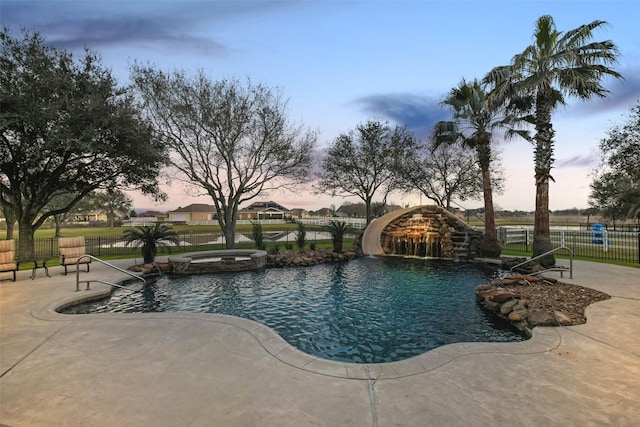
x: 527, y: 301
x: 292, y: 257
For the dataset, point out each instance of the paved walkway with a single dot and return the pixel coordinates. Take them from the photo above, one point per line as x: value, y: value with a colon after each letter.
x: 180, y: 369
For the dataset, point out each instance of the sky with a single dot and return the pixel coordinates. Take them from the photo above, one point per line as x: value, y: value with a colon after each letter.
x: 343, y: 62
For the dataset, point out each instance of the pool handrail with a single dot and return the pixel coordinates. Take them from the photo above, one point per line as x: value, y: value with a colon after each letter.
x: 552, y: 268
x: 115, y: 285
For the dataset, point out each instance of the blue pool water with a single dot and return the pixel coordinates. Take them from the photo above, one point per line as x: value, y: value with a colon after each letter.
x: 368, y: 310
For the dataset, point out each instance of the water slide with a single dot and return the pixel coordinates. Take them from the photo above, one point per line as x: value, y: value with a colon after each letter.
x: 371, y: 237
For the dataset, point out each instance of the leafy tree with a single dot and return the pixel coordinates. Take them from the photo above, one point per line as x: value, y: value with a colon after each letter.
x: 361, y: 163
x: 337, y: 230
x: 616, y: 195
x: 477, y: 113
x: 556, y: 65
x: 378, y: 209
x: 615, y: 187
x: 10, y: 219
x: 150, y: 238
x: 231, y: 140
x: 62, y: 200
x: 65, y: 128
x: 114, y: 203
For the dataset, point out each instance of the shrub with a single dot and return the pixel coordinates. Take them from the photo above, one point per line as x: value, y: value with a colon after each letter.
x: 150, y: 238
x: 338, y: 229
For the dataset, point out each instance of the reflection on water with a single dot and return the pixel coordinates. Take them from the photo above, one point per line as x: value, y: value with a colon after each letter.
x: 368, y: 310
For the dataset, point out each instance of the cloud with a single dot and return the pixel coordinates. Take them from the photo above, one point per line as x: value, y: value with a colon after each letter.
x: 623, y: 93
x: 171, y: 26
x: 417, y: 113
x: 578, y: 161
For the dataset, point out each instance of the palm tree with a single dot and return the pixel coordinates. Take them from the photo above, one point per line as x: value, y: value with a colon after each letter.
x: 557, y: 64
x: 477, y: 112
x: 150, y: 238
x: 338, y: 229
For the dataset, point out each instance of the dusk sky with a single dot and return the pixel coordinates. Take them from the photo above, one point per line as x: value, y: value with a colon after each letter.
x: 343, y: 62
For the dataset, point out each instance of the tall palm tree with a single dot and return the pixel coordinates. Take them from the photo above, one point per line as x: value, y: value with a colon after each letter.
x: 477, y: 113
x: 556, y: 65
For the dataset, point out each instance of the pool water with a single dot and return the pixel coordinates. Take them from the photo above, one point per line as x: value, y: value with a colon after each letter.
x: 369, y: 310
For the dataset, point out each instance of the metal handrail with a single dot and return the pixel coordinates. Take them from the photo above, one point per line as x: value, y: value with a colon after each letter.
x: 88, y: 282
x: 547, y: 253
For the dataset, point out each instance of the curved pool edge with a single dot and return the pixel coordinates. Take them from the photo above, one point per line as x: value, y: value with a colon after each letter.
x: 543, y: 340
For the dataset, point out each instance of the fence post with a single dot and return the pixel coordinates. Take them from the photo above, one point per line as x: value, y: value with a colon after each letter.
x: 605, y: 240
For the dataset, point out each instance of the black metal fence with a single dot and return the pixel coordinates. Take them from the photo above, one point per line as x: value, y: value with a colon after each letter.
x: 605, y: 245
x: 611, y: 227
x: 115, y: 247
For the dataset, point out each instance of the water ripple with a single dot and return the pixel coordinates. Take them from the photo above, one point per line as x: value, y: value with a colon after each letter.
x: 369, y: 310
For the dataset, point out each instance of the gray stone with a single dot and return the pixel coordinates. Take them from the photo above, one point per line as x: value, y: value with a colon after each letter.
x: 541, y: 318
x: 562, y: 318
x: 507, y: 307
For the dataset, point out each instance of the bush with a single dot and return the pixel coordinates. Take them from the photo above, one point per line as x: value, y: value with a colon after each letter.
x: 338, y: 229
x: 150, y: 238
x: 312, y: 246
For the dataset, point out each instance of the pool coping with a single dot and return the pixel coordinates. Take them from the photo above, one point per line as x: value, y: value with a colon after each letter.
x: 543, y: 339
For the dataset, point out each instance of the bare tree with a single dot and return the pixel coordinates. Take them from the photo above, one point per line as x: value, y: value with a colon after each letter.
x: 361, y: 163
x: 444, y: 173
x: 231, y: 140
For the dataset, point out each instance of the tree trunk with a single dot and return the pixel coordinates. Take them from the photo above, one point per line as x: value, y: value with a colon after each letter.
x: 26, y: 241
x: 489, y: 247
x: 229, y: 227
x: 543, y: 163
x: 10, y: 227
x: 58, y: 221
x: 541, y: 234
x: 10, y: 221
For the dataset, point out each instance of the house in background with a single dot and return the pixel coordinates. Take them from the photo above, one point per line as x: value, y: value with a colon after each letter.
x: 159, y: 216
x: 264, y: 210
x: 359, y: 210
x: 194, y: 212
x: 90, y: 216
x: 299, y: 213
x: 356, y: 210
x: 324, y: 212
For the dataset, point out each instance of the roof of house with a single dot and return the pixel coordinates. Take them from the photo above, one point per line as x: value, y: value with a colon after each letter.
x: 157, y: 214
x: 323, y: 211
x: 197, y: 207
x: 260, y: 206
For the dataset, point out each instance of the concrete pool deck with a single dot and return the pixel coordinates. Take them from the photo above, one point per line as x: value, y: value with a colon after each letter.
x: 182, y: 369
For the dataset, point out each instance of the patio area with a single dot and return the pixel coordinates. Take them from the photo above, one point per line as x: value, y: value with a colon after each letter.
x: 185, y: 369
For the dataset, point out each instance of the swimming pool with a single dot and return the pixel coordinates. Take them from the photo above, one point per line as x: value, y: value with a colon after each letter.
x: 369, y: 310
